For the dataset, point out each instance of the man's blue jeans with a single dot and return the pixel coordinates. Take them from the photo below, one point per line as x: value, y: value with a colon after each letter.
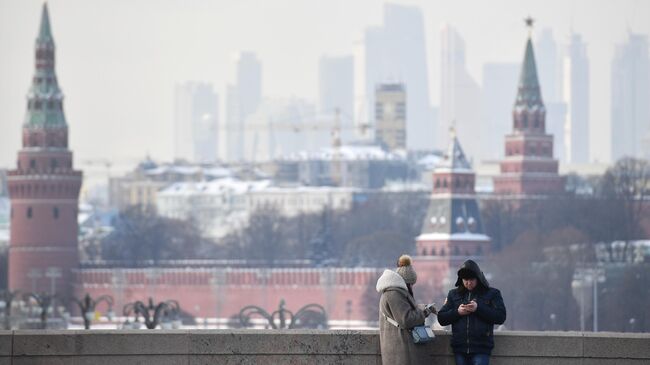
x: 472, y: 359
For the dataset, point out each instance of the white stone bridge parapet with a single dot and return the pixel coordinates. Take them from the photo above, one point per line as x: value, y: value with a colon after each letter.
x: 162, y: 347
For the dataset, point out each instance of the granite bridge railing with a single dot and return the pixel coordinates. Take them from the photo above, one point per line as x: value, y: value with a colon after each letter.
x: 162, y: 347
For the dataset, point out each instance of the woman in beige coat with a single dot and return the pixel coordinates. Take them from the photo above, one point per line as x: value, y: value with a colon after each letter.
x: 398, y: 314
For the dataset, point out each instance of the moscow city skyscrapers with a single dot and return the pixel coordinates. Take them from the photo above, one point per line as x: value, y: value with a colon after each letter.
x: 196, y: 117
x: 630, y: 112
x: 396, y: 52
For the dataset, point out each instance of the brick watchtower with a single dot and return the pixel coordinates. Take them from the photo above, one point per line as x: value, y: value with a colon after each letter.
x: 452, y: 230
x: 529, y: 168
x: 44, y: 188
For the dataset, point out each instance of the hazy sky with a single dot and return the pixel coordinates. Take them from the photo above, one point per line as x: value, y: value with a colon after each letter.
x: 117, y: 60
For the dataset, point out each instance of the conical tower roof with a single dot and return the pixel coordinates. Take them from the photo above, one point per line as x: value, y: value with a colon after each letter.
x: 45, y: 107
x: 529, y: 94
x: 45, y: 33
x: 454, y: 159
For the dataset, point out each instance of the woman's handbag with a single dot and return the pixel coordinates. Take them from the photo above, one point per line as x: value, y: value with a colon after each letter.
x: 421, y: 334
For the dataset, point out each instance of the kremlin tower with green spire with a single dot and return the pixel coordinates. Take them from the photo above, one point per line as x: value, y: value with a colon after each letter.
x: 44, y: 187
x: 529, y: 168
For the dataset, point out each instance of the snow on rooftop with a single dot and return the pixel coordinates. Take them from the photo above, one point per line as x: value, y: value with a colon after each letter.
x: 183, y: 170
x: 347, y: 152
x: 453, y: 236
x: 309, y: 189
x: 215, y: 187
x: 429, y: 162
x: 217, y: 172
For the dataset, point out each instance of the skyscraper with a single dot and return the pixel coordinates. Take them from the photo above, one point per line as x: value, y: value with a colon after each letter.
x: 630, y: 97
x: 548, y: 65
x: 336, y: 85
x: 243, y: 99
x: 576, y: 97
x: 196, y: 122
x: 549, y: 70
x: 390, y: 114
x: 460, y: 93
x: 44, y: 187
x: 396, y: 52
x: 498, y: 88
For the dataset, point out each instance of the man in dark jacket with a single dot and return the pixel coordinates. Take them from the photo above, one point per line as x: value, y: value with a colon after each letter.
x: 472, y: 309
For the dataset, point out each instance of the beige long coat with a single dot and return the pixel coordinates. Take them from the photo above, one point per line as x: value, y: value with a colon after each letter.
x: 397, y: 346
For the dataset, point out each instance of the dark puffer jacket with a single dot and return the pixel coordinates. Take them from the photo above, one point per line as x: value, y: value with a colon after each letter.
x: 473, y: 333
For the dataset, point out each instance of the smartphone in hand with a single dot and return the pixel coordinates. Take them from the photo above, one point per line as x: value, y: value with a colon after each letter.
x: 430, y: 308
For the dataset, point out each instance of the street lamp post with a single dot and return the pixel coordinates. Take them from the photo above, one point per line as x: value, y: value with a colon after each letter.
x: 53, y: 273
x: 34, y: 275
x: 348, y: 312
x: 87, y: 307
x: 168, y: 311
x: 597, y: 277
x: 309, y: 316
x: 582, y: 277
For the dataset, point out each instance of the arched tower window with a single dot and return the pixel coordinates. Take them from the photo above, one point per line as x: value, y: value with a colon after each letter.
x: 54, y: 163
x: 55, y: 212
x: 32, y: 164
x: 29, y: 212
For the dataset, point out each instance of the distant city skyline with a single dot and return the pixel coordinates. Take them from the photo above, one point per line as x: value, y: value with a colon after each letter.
x: 575, y: 94
x: 459, y: 94
x: 243, y: 97
x: 196, y: 121
x: 630, y: 98
x: 118, y: 62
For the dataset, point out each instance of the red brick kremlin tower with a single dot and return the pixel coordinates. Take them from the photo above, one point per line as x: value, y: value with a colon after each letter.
x: 452, y: 231
x: 529, y: 168
x: 44, y: 188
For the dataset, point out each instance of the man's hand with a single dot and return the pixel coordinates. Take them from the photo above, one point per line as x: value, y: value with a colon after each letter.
x: 471, y: 307
x: 465, y: 309
x: 462, y: 310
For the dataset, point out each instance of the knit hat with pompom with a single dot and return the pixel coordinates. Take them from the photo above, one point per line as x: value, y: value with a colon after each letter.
x: 405, y: 269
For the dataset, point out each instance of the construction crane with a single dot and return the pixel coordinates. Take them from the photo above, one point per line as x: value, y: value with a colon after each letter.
x: 273, y: 125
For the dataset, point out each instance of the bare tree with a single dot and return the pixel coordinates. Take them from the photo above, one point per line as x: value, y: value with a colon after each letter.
x: 377, y: 249
x: 264, y: 239
x: 141, y: 234
x: 623, y: 192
